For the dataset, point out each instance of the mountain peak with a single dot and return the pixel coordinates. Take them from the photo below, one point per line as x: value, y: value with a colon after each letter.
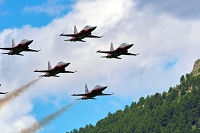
x: 196, y: 68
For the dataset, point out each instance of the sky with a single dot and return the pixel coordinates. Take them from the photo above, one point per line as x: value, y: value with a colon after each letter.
x: 165, y: 33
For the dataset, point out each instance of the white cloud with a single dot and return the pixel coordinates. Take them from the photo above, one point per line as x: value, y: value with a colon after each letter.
x: 159, y: 39
x: 51, y: 7
x: 179, y: 8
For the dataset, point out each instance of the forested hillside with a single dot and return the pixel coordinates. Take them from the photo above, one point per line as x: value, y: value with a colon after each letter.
x: 175, y: 111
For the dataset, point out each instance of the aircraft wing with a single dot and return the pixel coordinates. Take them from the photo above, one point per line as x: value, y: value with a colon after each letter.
x: 68, y: 72
x: 42, y: 70
x: 131, y: 54
x: 107, y: 52
x: 7, y: 48
x: 31, y: 50
x: 104, y: 94
x: 92, y: 36
x: 71, y: 35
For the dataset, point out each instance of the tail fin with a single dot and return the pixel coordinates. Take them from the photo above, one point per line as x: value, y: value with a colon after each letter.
x: 75, y: 30
x: 86, y: 89
x: 13, y: 43
x: 111, y: 47
x: 49, y: 66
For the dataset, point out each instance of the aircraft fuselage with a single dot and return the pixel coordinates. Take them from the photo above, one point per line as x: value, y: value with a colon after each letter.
x: 57, y: 69
x: 119, y: 51
x: 20, y: 47
x: 78, y: 36
x: 94, y: 92
x: 84, y: 33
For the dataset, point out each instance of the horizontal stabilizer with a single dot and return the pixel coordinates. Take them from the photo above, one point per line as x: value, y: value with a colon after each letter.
x: 41, y: 76
x: 68, y: 40
x: 103, y: 57
x: 55, y: 76
x: 117, y: 57
x: 81, y: 40
x: 79, y: 99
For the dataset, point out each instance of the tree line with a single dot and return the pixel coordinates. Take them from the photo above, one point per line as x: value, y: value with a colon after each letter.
x: 177, y: 111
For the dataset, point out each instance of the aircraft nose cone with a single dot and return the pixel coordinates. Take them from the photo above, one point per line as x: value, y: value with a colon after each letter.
x: 104, y: 87
x: 130, y: 45
x: 94, y: 27
x: 66, y: 64
x: 29, y: 42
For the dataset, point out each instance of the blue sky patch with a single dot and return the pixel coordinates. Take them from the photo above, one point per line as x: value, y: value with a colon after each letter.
x: 171, y: 63
x: 35, y: 13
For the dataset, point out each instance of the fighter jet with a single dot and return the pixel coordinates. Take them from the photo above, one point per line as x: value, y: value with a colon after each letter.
x: 85, y: 32
x: 22, y: 46
x: 97, y: 91
x: 121, y: 50
x: 59, y: 68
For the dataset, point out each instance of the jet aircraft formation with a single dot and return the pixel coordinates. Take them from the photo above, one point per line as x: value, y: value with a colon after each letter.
x: 86, y: 32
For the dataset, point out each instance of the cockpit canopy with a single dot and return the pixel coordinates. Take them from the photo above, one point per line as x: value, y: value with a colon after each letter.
x: 124, y: 44
x: 61, y: 62
x: 24, y: 40
x: 87, y: 27
x: 97, y: 86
